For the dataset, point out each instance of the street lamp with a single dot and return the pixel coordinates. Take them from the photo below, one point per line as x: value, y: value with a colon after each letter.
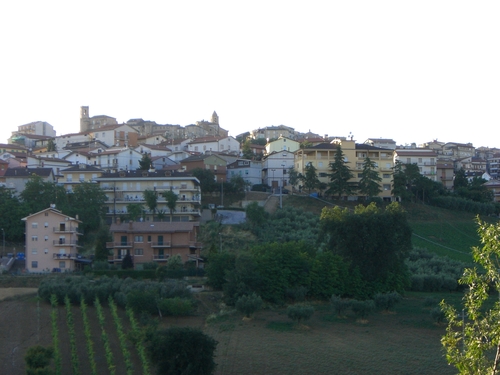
x: 272, y: 187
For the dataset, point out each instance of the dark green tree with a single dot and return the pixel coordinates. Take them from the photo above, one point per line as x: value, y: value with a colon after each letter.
x: 310, y: 177
x: 145, y: 162
x: 51, y: 146
x: 39, y: 195
x: 249, y: 305
x: 256, y: 214
x: 151, y: 198
x: 369, y: 184
x: 246, y: 149
x: 103, y: 235
x: 374, y: 241
x: 171, y: 199
x: 87, y: 201
x: 236, y: 185
x: 405, y: 178
x: 217, y: 266
x: 340, y: 175
x: 135, y: 211
x: 38, y: 359
x: 127, y: 262
x: 293, y: 177
x: 182, y: 351
x: 206, y: 178
x: 460, y: 179
x: 13, y: 210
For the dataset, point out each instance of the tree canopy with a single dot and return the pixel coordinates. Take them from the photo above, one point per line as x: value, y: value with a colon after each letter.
x: 340, y: 175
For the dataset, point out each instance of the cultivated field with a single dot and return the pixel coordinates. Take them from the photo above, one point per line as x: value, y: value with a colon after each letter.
x: 403, y: 342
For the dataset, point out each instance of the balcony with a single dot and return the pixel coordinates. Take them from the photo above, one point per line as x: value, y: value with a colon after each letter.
x: 195, y: 245
x: 161, y: 244
x: 67, y: 229
x: 122, y: 245
x: 160, y: 257
x: 64, y: 256
x: 62, y: 242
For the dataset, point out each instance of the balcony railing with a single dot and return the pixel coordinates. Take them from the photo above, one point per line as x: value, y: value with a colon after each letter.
x: 67, y: 229
x: 160, y: 257
x: 111, y: 245
x: 64, y: 256
x: 62, y: 242
x: 161, y: 244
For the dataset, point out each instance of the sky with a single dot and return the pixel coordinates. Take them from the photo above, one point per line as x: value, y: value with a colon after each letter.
x: 412, y: 71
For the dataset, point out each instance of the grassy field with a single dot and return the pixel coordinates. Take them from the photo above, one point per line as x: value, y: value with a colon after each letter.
x: 406, y: 341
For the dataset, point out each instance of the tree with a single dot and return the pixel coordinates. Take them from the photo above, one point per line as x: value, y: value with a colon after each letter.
x: 39, y: 195
x: 246, y: 149
x: 171, y: 199
x: 51, y: 146
x: 236, y: 185
x: 340, y: 175
x: 293, y: 177
x: 103, y: 236
x: 472, y: 339
x: 38, y: 359
x: 13, y: 210
x: 206, y: 178
x: 127, y: 262
x: 460, y: 179
x: 145, y: 163
x: 87, y: 201
x: 310, y: 177
x: 249, y: 304
x: 134, y: 211
x: 151, y: 198
x: 376, y: 242
x: 369, y: 184
x: 256, y: 214
x: 182, y: 351
x: 300, y: 312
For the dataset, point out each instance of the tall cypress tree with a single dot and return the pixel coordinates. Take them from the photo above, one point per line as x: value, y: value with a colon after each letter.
x: 369, y: 185
x: 340, y: 175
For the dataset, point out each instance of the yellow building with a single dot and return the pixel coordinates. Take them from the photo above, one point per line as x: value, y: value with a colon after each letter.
x: 321, y: 155
x: 127, y: 187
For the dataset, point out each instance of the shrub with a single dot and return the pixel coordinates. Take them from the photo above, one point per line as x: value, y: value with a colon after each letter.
x: 175, y: 306
x: 127, y: 262
x: 297, y: 294
x: 175, y: 262
x: 38, y: 358
x: 386, y: 301
x: 300, y: 312
x: 182, y: 350
x: 437, y: 314
x: 339, y: 305
x: 362, y: 308
x: 249, y: 304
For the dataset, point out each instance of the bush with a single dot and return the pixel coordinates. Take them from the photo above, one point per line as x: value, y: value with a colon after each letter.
x: 362, y: 308
x: 339, y: 305
x: 176, y: 306
x: 437, y: 314
x: 297, y: 294
x: 249, y: 304
x: 386, y: 301
x: 182, y: 350
x: 175, y: 262
x: 299, y: 312
x: 38, y: 359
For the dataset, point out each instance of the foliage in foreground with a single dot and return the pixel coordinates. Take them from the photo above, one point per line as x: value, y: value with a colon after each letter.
x: 473, y: 345
x: 182, y: 351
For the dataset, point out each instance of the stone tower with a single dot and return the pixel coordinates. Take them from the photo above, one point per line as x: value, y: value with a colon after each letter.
x: 84, y: 119
x: 215, y: 118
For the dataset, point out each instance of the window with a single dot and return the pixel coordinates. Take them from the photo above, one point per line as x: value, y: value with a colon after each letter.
x: 34, y: 225
x: 386, y: 175
x: 320, y: 164
x: 149, y: 238
x: 46, y: 238
x: 34, y: 252
x: 139, y: 251
x: 46, y: 225
x: 34, y: 264
x: 360, y: 175
x: 387, y: 187
x: 62, y: 264
x: 46, y: 214
x: 138, y: 239
x: 34, y: 238
x: 46, y: 251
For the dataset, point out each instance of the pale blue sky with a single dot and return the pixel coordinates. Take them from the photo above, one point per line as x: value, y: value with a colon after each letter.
x: 408, y: 70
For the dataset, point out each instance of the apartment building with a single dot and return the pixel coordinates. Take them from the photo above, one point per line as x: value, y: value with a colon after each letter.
x: 154, y: 242
x: 126, y: 188
x: 426, y: 160
x: 52, y: 241
x: 76, y: 174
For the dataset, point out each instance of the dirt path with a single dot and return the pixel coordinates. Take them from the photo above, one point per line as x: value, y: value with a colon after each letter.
x: 7, y: 293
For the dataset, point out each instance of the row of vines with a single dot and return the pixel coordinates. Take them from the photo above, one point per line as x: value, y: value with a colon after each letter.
x: 110, y: 342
